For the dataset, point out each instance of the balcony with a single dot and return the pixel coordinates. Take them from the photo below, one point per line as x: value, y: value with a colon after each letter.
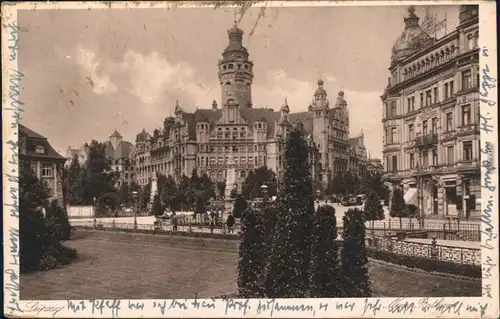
x: 468, y: 129
x: 426, y: 140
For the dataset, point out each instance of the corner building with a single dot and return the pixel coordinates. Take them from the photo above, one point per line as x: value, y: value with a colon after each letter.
x: 431, y: 118
x: 253, y: 137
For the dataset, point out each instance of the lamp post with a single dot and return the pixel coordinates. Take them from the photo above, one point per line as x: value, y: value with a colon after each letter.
x: 135, y: 195
x: 264, y: 190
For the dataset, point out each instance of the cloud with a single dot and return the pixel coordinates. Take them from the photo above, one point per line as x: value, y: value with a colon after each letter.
x: 95, y: 72
x: 364, y: 107
x: 153, y: 79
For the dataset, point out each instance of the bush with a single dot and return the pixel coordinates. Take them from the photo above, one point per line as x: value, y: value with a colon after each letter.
x: 57, y: 221
x: 40, y: 236
x: 325, y: 270
x: 252, y: 259
x: 355, y: 281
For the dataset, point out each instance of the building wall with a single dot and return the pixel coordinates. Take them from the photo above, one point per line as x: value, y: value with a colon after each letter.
x: 431, y: 124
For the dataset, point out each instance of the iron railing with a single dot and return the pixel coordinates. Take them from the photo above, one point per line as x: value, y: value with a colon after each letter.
x: 459, y: 255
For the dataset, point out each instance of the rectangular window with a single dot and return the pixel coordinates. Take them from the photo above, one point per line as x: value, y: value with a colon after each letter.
x: 466, y: 80
x: 452, y: 90
x: 436, y: 95
x: 425, y: 158
x: 466, y: 118
x: 47, y: 170
x: 450, y: 159
x: 409, y: 104
x: 434, y: 125
x: 467, y: 147
x: 393, y: 134
x: 412, y: 161
x: 39, y: 149
x: 446, y: 93
x: 428, y: 97
x: 422, y: 99
x: 425, y: 128
x: 410, y: 132
x: 393, y: 108
x: 449, y: 122
x: 434, y: 157
x: 394, y: 163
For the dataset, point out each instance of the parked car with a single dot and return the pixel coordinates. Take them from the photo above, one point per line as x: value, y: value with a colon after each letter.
x: 360, y: 199
x: 349, y: 201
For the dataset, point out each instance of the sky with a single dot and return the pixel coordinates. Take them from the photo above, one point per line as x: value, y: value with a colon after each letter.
x: 89, y: 72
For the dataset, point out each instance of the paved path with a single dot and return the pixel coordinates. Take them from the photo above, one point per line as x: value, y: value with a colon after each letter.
x: 143, y: 266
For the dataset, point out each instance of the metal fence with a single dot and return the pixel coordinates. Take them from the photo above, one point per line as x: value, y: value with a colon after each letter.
x: 460, y: 255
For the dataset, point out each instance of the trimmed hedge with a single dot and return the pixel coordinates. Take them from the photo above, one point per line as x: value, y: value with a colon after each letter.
x: 427, y: 264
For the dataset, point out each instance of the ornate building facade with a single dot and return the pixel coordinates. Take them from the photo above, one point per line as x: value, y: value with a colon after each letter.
x: 431, y: 118
x: 253, y: 137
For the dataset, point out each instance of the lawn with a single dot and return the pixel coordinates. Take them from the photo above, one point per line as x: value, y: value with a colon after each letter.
x: 142, y: 266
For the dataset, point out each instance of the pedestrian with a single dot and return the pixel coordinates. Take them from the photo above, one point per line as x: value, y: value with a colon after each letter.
x: 174, y: 222
x: 230, y: 223
x: 212, y: 221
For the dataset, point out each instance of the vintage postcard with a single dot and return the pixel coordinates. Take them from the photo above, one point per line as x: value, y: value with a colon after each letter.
x: 250, y: 159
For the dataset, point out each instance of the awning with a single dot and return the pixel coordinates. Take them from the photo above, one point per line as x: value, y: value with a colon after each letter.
x: 411, y: 196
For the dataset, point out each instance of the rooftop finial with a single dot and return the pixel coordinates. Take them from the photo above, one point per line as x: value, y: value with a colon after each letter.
x: 411, y: 10
x: 235, y: 19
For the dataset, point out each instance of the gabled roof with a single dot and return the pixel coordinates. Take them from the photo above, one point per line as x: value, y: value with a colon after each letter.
x: 33, y: 140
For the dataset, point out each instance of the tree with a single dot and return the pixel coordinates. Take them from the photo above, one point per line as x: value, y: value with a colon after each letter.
x: 289, y: 261
x: 355, y: 280
x: 145, y: 196
x: 240, y: 205
x: 251, y: 261
x: 325, y: 268
x: 73, y: 182
x: 373, y: 208
x: 398, y: 206
x: 183, y: 192
x: 57, y: 216
x: 125, y: 196
x: 220, y: 189
x: 233, y: 193
x: 156, y: 208
x: 40, y: 239
x: 107, y: 205
x: 99, y: 178
x: 251, y: 187
x: 168, y: 193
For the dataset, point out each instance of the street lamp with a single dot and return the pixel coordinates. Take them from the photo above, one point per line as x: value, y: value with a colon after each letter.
x: 264, y: 190
x: 135, y: 194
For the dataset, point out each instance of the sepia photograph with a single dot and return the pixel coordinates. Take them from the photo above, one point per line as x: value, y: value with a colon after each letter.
x: 243, y: 152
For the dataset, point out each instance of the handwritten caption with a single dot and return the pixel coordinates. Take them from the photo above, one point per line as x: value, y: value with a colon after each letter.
x: 488, y: 183
x: 281, y: 307
x: 12, y: 109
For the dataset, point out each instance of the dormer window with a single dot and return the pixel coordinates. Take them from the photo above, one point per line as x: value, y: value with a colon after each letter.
x: 39, y: 149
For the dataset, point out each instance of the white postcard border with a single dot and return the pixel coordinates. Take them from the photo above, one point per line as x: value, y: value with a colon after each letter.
x: 472, y: 307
